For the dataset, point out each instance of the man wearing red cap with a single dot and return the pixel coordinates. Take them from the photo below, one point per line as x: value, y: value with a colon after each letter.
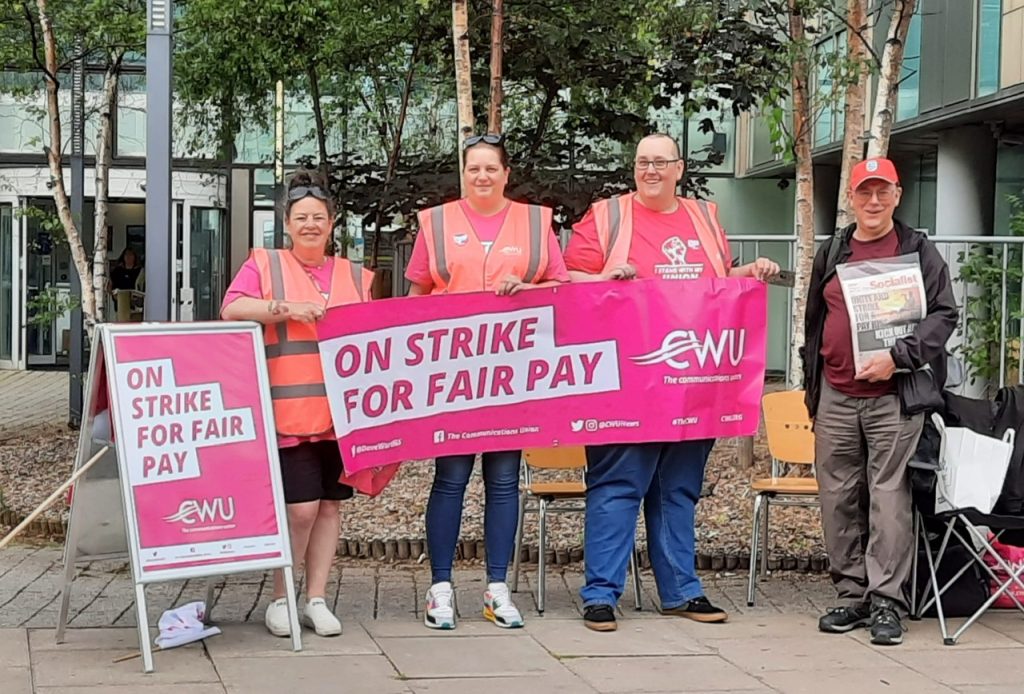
x: 867, y: 420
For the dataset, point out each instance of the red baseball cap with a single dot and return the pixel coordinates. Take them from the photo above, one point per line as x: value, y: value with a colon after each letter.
x: 880, y: 168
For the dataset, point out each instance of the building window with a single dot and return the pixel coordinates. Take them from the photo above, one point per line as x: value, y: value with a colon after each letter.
x: 131, y: 116
x: 990, y: 19
x: 908, y: 98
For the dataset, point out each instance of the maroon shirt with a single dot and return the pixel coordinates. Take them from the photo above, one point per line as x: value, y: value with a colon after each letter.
x: 837, y: 338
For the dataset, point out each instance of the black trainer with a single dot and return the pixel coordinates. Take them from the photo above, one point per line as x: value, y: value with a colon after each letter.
x: 700, y: 610
x: 886, y: 629
x: 600, y: 618
x: 840, y: 620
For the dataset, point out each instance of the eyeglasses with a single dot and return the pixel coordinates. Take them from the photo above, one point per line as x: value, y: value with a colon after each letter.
x: 300, y: 192
x: 658, y: 164
x: 885, y: 195
x: 487, y: 139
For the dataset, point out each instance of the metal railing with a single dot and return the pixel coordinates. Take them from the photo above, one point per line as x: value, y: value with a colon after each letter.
x: 1005, y: 259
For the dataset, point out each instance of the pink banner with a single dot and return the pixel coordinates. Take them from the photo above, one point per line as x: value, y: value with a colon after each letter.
x: 589, y: 363
x: 190, y: 424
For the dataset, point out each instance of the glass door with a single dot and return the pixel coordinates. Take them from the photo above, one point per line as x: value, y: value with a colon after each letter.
x: 9, y: 290
x: 207, y: 253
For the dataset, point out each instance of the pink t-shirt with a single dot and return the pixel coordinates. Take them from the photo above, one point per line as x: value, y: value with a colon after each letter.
x: 665, y: 246
x: 247, y: 283
x: 486, y: 229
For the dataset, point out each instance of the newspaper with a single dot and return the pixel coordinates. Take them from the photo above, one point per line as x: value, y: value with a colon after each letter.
x: 885, y: 299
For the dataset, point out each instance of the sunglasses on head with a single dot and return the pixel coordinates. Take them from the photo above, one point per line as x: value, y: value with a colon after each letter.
x: 300, y: 192
x: 487, y: 139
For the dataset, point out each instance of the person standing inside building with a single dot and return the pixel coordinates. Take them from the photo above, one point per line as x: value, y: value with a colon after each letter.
x: 867, y: 421
x: 125, y: 279
x: 481, y: 242
x: 288, y: 291
x: 652, y: 233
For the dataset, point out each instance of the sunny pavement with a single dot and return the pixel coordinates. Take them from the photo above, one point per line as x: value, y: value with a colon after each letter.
x: 385, y: 648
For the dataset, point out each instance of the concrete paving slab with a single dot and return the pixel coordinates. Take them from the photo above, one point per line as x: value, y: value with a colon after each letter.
x: 564, y: 683
x: 322, y: 675
x: 394, y: 628
x: 701, y: 673
x: 846, y: 681
x: 13, y: 648
x: 106, y: 639
x: 751, y: 626
x: 569, y: 638
x: 1007, y: 622
x: 925, y: 636
x: 16, y: 680
x: 135, y: 689
x: 990, y: 689
x: 424, y: 656
x: 953, y: 666
x: 254, y: 641
x: 65, y: 668
x: 799, y: 653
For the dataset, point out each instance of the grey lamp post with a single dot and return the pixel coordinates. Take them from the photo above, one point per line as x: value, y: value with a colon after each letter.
x: 76, y: 347
x: 159, y: 30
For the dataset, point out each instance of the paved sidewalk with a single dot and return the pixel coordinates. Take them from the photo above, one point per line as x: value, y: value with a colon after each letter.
x: 385, y: 648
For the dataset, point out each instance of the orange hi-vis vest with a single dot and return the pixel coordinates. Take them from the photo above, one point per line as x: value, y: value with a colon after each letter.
x: 458, y: 260
x: 293, y: 354
x: 613, y: 218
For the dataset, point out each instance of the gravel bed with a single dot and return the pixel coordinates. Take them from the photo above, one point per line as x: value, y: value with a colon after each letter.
x: 38, y: 460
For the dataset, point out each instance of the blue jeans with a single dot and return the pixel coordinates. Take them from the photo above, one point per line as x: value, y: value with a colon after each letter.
x: 501, y: 511
x: 667, y: 478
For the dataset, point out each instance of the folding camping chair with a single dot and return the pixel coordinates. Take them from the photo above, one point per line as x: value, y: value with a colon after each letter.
x: 543, y: 498
x: 968, y: 528
x: 790, y: 442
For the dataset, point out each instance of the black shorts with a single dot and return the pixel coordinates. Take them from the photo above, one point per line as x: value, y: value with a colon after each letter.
x: 310, y: 472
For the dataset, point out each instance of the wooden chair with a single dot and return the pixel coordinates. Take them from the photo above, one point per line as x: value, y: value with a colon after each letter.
x: 554, y: 497
x: 790, y: 442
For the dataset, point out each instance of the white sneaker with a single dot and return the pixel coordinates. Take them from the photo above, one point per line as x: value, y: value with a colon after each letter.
x: 499, y: 608
x: 440, y: 610
x: 276, y: 618
x: 320, y: 619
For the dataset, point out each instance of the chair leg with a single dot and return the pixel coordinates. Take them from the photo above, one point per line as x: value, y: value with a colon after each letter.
x: 634, y: 567
x: 764, y: 536
x: 543, y: 549
x: 754, y: 546
x: 518, y: 551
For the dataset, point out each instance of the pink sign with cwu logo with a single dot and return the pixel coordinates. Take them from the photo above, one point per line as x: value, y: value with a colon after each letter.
x: 200, y: 462
x: 608, y: 362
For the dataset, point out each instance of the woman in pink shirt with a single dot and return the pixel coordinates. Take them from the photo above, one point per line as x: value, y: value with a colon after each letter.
x: 482, y: 242
x: 288, y: 291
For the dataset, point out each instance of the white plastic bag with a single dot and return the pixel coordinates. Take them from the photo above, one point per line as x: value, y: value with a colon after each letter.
x: 972, y: 468
x: 183, y: 625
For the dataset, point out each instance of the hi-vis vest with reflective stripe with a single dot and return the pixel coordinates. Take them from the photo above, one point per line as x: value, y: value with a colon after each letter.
x: 614, y: 220
x: 293, y: 356
x: 458, y: 261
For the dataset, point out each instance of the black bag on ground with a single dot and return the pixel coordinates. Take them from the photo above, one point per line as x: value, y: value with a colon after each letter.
x: 967, y: 594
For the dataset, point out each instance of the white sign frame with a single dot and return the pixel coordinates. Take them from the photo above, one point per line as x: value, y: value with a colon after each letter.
x: 103, y: 357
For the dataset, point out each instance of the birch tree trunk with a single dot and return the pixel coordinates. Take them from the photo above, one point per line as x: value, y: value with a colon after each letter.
x: 856, y: 92
x: 104, y: 151
x: 55, y: 162
x: 463, y: 84
x: 497, y: 50
x: 804, y: 218
x: 889, y: 76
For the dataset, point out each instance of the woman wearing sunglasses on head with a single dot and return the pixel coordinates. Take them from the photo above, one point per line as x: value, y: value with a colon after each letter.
x: 481, y: 242
x: 288, y: 291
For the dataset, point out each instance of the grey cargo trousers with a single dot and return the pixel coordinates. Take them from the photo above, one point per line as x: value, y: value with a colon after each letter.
x: 862, y: 447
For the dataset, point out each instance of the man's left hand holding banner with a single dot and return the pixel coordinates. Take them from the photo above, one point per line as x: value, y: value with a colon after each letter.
x: 609, y: 362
